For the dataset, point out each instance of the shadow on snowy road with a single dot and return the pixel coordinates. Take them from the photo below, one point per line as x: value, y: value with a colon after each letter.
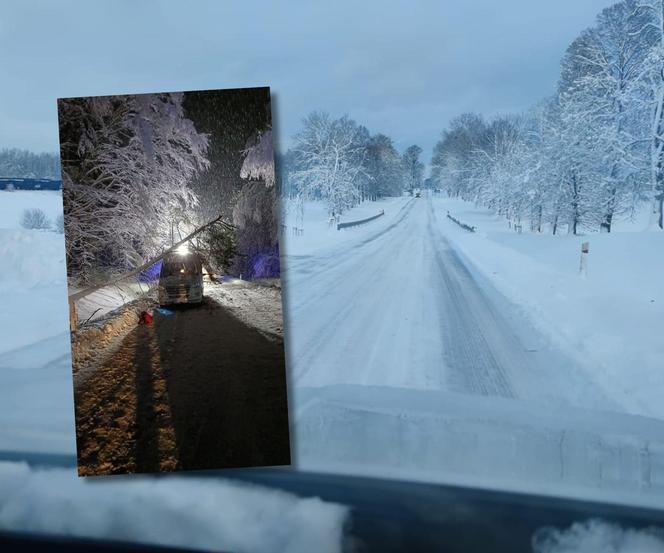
x: 197, y: 389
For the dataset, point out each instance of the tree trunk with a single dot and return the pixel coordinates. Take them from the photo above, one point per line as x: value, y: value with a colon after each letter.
x: 575, y: 205
x: 605, y: 225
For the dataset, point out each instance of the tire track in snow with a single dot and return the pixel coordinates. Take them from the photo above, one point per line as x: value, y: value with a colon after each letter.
x: 468, y: 329
x: 357, y: 283
x: 430, y: 324
x: 327, y: 266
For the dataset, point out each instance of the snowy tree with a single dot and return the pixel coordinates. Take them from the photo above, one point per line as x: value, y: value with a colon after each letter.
x: 383, y: 167
x: 34, y: 219
x: 240, y: 183
x: 341, y: 163
x: 452, y: 158
x: 328, y: 161
x: 580, y: 158
x: 597, y: 94
x: 59, y: 224
x: 647, y: 18
x: 548, y: 152
x: 413, y: 168
x: 25, y: 164
x: 128, y: 162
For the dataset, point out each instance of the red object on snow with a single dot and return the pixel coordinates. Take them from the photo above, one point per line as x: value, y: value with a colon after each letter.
x: 146, y: 317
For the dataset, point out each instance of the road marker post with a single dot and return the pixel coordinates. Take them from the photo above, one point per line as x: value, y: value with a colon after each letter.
x: 583, y: 267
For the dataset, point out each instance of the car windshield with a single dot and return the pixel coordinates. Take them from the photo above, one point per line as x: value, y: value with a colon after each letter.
x: 180, y: 265
x: 472, y: 258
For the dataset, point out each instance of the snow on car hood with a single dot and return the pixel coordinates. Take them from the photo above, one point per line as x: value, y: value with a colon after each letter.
x: 596, y: 536
x: 174, y: 511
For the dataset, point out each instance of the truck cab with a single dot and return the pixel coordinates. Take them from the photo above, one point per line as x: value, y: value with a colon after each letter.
x: 181, y: 279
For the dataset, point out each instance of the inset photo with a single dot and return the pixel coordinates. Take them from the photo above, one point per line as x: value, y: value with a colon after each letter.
x: 171, y: 229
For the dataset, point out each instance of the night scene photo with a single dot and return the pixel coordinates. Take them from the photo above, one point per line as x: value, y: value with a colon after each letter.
x: 171, y: 229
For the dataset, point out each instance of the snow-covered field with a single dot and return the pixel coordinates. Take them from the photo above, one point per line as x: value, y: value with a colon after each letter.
x: 33, y: 290
x: 12, y: 205
x: 35, y: 364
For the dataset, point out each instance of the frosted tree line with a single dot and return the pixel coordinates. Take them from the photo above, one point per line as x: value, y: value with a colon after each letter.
x: 25, y: 164
x: 340, y: 163
x: 590, y: 153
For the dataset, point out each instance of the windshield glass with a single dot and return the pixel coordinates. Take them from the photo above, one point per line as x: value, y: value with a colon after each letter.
x: 472, y: 257
x: 180, y: 266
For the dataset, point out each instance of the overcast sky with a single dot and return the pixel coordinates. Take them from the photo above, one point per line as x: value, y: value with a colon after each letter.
x: 404, y: 70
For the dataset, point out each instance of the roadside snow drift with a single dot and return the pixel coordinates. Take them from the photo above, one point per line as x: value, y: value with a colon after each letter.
x: 609, y: 321
x: 33, y: 276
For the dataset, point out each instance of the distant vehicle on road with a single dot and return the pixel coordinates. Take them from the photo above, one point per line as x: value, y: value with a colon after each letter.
x: 181, y: 278
x: 418, y: 194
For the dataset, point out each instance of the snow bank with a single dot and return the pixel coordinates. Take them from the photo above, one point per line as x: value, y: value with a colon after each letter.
x: 101, y: 302
x: 36, y: 397
x: 31, y: 258
x: 12, y: 205
x: 186, y: 512
x: 35, y: 367
x: 596, y: 536
x: 610, y: 320
x: 33, y: 290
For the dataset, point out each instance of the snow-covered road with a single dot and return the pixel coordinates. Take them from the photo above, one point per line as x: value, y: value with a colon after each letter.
x: 200, y: 387
x: 400, y: 307
x: 406, y: 361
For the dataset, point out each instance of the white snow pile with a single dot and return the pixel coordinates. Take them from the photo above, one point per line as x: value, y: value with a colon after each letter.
x: 100, y: 303
x: 596, y: 536
x: 36, y: 394
x: 31, y: 258
x: 194, y: 513
x: 33, y: 289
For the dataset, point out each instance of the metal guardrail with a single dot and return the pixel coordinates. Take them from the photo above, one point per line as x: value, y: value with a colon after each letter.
x: 360, y: 222
x: 20, y: 183
x: 295, y: 231
x: 462, y: 225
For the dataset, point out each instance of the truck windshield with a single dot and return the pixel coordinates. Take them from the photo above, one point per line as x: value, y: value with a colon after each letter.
x: 181, y: 265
